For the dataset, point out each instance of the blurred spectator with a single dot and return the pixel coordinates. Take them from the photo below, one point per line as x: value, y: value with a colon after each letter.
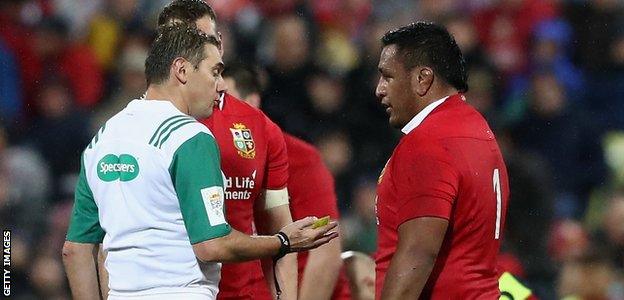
x: 465, y: 34
x: 288, y: 72
x: 373, y: 140
x: 505, y: 29
x: 597, y: 24
x: 48, y: 278
x: 550, y: 50
x: 611, y: 234
x: 400, y: 11
x: 18, y: 39
x: 614, y: 150
x: 21, y: 264
x: 606, y: 88
x: 24, y: 189
x: 590, y: 276
x: 550, y: 126
x: 60, y: 135
x: 77, y: 13
x: 360, y: 225
x: 436, y: 10
x: 482, y: 93
x: 131, y: 73
x: 58, y: 55
x: 329, y: 109
x: 530, y: 211
x: 347, y: 17
x: 10, y: 86
x: 108, y: 28
x: 568, y: 241
x: 337, y: 154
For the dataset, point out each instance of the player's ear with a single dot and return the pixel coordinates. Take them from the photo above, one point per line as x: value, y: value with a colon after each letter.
x: 179, y: 69
x: 421, y: 80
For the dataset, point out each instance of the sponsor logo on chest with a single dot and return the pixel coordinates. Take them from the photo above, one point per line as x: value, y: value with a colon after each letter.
x: 239, y: 187
x: 243, y: 141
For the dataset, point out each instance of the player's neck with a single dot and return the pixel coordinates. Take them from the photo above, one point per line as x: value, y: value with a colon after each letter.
x: 162, y: 92
x: 436, y: 93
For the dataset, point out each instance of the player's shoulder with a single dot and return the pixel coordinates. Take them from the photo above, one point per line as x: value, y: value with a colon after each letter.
x: 455, y: 118
x: 299, y: 148
x: 301, y: 152
x: 237, y: 107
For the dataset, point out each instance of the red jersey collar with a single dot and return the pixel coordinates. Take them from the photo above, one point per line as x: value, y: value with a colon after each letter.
x: 420, y: 117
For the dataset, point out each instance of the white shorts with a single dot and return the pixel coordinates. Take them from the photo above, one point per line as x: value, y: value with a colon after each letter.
x: 165, y: 296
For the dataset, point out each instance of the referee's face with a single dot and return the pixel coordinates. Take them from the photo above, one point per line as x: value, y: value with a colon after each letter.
x: 394, y: 88
x: 205, y: 83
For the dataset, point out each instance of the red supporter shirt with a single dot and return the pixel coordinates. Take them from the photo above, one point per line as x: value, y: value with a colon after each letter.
x: 253, y: 157
x: 312, y: 193
x: 449, y: 167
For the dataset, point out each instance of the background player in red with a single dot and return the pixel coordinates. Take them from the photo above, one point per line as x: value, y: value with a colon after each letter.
x: 255, y: 164
x: 442, y: 196
x: 311, y: 189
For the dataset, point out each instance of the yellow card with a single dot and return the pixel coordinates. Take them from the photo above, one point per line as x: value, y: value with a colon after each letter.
x: 321, y: 222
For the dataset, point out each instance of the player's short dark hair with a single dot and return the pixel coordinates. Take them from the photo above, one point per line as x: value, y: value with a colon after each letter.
x: 247, y: 78
x: 186, y: 11
x: 179, y: 40
x: 428, y: 44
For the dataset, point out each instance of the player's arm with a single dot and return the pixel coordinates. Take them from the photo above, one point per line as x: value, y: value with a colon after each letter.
x: 324, y: 263
x: 321, y: 272
x: 196, y: 176
x: 419, y: 242
x: 272, y: 212
x: 80, y: 250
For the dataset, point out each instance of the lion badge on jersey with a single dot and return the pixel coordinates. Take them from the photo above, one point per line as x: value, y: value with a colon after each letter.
x: 243, y: 141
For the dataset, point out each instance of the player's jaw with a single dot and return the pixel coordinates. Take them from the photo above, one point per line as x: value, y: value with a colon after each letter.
x: 392, y: 112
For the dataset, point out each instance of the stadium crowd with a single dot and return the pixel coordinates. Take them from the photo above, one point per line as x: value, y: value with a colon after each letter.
x: 548, y: 75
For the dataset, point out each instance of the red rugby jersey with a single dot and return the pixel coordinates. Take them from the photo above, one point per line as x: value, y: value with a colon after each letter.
x: 312, y: 193
x: 253, y: 157
x: 450, y: 167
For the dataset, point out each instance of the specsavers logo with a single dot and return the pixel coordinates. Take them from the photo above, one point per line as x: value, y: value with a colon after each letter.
x: 123, y: 167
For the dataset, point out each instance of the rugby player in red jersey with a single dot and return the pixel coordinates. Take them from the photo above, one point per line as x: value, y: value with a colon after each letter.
x: 255, y: 163
x: 312, y: 193
x: 442, y: 195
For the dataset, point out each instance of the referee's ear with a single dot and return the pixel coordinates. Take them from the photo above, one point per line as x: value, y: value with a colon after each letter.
x: 179, y: 68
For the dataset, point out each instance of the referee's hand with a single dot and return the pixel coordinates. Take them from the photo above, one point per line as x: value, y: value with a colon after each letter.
x: 303, y: 237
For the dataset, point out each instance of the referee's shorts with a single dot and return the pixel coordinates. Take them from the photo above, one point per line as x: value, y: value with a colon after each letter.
x: 166, y: 296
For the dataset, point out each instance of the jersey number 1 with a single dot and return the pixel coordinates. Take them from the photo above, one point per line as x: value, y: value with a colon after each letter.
x: 497, y: 190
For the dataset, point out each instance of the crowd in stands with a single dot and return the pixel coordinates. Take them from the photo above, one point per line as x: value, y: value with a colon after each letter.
x: 548, y: 75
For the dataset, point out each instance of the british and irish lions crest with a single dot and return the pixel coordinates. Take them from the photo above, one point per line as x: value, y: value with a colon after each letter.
x: 243, y: 141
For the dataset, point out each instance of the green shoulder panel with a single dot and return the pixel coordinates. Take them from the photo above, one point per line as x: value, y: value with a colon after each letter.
x: 196, y: 175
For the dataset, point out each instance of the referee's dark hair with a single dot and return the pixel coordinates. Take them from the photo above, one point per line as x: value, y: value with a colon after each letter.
x: 247, y: 78
x: 186, y: 11
x: 179, y: 40
x: 428, y: 44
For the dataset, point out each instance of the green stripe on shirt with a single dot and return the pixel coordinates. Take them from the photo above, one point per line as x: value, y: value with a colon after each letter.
x: 164, y: 123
